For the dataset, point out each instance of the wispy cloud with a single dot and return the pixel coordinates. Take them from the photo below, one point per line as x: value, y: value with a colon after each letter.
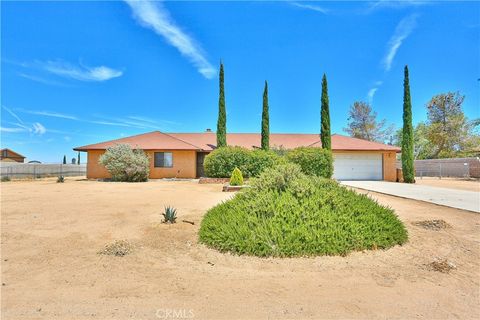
x: 38, y: 128
x: 12, y: 130
x: 80, y: 73
x: 402, y: 31
x: 313, y: 7
x: 49, y: 114
x: 13, y: 114
x: 373, y: 90
x: 395, y: 4
x: 153, y: 15
x: 40, y: 79
x: 138, y: 122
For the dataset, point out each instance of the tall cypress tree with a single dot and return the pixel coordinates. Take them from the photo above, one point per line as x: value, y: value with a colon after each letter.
x: 265, y: 120
x: 64, y: 159
x: 407, y: 138
x: 325, y: 135
x: 78, y: 158
x: 222, y: 115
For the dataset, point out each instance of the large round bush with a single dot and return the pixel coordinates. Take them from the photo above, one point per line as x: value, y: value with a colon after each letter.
x: 126, y: 164
x: 313, y: 161
x: 221, y: 162
x: 286, y: 213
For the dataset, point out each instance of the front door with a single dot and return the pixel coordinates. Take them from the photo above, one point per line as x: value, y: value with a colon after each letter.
x: 200, y: 159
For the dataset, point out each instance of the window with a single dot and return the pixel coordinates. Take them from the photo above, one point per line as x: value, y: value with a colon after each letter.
x: 163, y: 160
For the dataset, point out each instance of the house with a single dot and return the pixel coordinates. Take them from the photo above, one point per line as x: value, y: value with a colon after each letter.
x: 7, y: 155
x: 181, y: 155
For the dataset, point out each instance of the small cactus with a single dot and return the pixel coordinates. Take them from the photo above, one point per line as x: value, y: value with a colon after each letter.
x: 170, y: 215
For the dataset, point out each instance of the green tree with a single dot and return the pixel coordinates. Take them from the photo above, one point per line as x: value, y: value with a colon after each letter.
x: 222, y: 115
x: 363, y: 124
x: 449, y: 131
x: 64, y: 159
x: 78, y: 158
x: 325, y: 134
x: 265, y: 120
x: 407, y: 141
x: 423, y: 149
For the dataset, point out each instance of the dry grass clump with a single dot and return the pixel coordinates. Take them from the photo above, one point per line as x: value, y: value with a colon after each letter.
x: 443, y: 266
x: 118, y: 248
x: 435, y: 225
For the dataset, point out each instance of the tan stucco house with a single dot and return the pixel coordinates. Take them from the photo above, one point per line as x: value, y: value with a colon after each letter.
x: 181, y: 155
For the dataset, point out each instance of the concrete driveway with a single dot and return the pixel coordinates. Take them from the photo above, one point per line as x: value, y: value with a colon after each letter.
x: 460, y: 199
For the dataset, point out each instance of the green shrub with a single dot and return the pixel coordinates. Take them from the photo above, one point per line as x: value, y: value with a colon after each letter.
x: 237, y: 178
x: 221, y: 162
x: 170, y: 215
x: 60, y: 179
x: 279, y: 177
x: 313, y: 161
x: 5, y: 178
x: 261, y: 160
x: 286, y: 213
x: 126, y: 164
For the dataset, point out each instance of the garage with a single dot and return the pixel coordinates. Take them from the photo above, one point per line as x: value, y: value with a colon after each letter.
x: 358, y: 166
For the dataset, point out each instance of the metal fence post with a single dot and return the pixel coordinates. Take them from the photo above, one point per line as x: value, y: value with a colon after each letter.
x: 440, y: 170
x: 34, y: 172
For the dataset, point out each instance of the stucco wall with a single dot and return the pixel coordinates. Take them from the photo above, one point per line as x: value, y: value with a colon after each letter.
x: 94, y: 169
x: 184, y: 165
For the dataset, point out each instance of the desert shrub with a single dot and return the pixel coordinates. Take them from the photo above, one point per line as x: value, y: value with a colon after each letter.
x: 261, y: 160
x: 237, y: 178
x: 125, y: 163
x: 278, y: 177
x: 170, y: 215
x: 286, y: 213
x: 221, y: 162
x: 60, y: 179
x: 118, y: 248
x: 279, y: 150
x: 313, y: 161
x: 5, y: 178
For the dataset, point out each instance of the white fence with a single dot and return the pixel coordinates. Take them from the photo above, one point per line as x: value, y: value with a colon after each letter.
x: 40, y: 170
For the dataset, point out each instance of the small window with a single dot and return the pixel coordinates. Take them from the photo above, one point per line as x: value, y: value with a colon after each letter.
x: 163, y: 160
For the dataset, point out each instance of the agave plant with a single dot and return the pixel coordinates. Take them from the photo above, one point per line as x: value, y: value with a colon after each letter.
x: 60, y: 179
x: 170, y: 215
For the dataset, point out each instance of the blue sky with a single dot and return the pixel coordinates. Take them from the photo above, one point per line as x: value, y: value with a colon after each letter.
x: 75, y: 73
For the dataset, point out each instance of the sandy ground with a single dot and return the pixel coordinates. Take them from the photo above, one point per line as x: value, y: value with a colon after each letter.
x: 461, y: 184
x: 51, y: 234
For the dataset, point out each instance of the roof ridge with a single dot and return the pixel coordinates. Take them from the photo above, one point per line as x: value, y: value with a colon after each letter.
x: 105, y: 141
x: 364, y: 140
x: 180, y: 140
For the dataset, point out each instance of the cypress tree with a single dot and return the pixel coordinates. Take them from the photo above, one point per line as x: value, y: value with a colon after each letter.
x: 64, y: 159
x: 265, y: 120
x: 407, y: 138
x: 222, y: 116
x: 78, y: 158
x: 325, y: 134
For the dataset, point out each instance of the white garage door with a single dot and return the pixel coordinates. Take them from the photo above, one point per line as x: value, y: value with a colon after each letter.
x: 357, y: 166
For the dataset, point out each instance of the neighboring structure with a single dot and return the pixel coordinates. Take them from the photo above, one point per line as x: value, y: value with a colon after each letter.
x: 181, y: 155
x: 8, y: 155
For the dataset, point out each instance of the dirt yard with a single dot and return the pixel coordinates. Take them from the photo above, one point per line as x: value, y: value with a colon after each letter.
x: 461, y: 184
x: 51, y: 269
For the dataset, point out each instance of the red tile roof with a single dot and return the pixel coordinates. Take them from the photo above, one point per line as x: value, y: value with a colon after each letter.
x: 206, y: 141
